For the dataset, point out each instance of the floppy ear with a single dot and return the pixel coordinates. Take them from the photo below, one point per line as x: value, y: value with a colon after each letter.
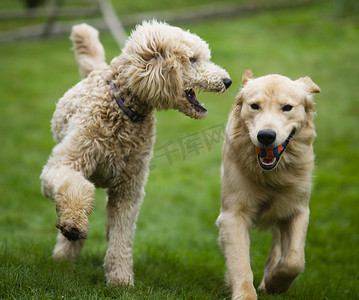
x: 247, y: 75
x: 157, y: 80
x: 309, y: 85
x: 163, y: 81
x: 239, y: 99
x: 310, y: 88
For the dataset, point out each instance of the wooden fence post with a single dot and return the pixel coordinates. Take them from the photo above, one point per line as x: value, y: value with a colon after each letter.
x: 112, y: 22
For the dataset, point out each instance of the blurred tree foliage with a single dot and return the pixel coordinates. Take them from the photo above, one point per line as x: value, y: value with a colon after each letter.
x: 346, y: 7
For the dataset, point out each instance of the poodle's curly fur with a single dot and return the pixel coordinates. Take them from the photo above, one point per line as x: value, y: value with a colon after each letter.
x: 97, y: 145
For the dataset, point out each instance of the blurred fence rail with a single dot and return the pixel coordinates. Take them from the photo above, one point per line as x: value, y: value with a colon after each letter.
x: 44, y: 12
x: 55, y: 25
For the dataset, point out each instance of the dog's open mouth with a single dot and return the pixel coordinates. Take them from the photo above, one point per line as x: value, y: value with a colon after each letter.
x: 268, y: 158
x: 190, y: 106
x: 191, y: 97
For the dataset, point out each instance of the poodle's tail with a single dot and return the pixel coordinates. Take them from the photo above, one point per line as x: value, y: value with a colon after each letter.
x: 89, y: 51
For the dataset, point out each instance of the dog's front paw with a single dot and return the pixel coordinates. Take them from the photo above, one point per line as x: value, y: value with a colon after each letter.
x: 75, y: 229
x: 246, y: 291
x: 120, y: 281
x: 71, y: 232
x: 245, y: 297
x: 282, y: 278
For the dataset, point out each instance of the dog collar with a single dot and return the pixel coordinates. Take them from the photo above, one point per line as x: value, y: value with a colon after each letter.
x: 129, y: 112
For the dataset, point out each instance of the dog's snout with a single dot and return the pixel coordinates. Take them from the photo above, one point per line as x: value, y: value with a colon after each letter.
x: 267, y: 136
x: 227, y: 82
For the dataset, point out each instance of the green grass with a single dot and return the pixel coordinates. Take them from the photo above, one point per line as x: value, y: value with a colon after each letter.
x: 176, y: 255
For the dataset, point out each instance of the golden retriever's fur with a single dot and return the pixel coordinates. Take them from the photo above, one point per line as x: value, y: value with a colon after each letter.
x: 278, y: 197
x: 99, y: 145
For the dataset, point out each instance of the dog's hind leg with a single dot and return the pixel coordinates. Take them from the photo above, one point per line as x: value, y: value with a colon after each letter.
x: 67, y: 249
x: 291, y: 264
x: 123, y: 204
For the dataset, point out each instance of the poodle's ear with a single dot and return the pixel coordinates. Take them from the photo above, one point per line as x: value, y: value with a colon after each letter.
x: 157, y: 80
x: 166, y: 82
x: 308, y: 84
x: 247, y: 75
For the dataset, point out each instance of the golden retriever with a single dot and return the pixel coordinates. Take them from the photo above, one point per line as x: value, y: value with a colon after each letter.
x: 266, y: 179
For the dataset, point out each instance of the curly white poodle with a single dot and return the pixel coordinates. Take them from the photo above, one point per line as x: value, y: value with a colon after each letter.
x: 104, y: 130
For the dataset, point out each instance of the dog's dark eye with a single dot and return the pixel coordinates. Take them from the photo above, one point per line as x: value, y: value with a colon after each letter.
x: 287, y: 107
x: 192, y: 59
x: 255, y: 106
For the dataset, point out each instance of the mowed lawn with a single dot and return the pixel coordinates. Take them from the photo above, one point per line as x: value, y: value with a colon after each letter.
x: 176, y: 254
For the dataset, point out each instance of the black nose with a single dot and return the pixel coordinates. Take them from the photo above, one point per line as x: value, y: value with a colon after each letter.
x: 267, y: 136
x: 227, y: 82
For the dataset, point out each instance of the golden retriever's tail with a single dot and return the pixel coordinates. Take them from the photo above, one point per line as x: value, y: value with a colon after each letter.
x: 89, y: 51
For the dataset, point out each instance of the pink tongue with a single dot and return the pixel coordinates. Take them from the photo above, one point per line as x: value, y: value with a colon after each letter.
x: 267, y: 161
